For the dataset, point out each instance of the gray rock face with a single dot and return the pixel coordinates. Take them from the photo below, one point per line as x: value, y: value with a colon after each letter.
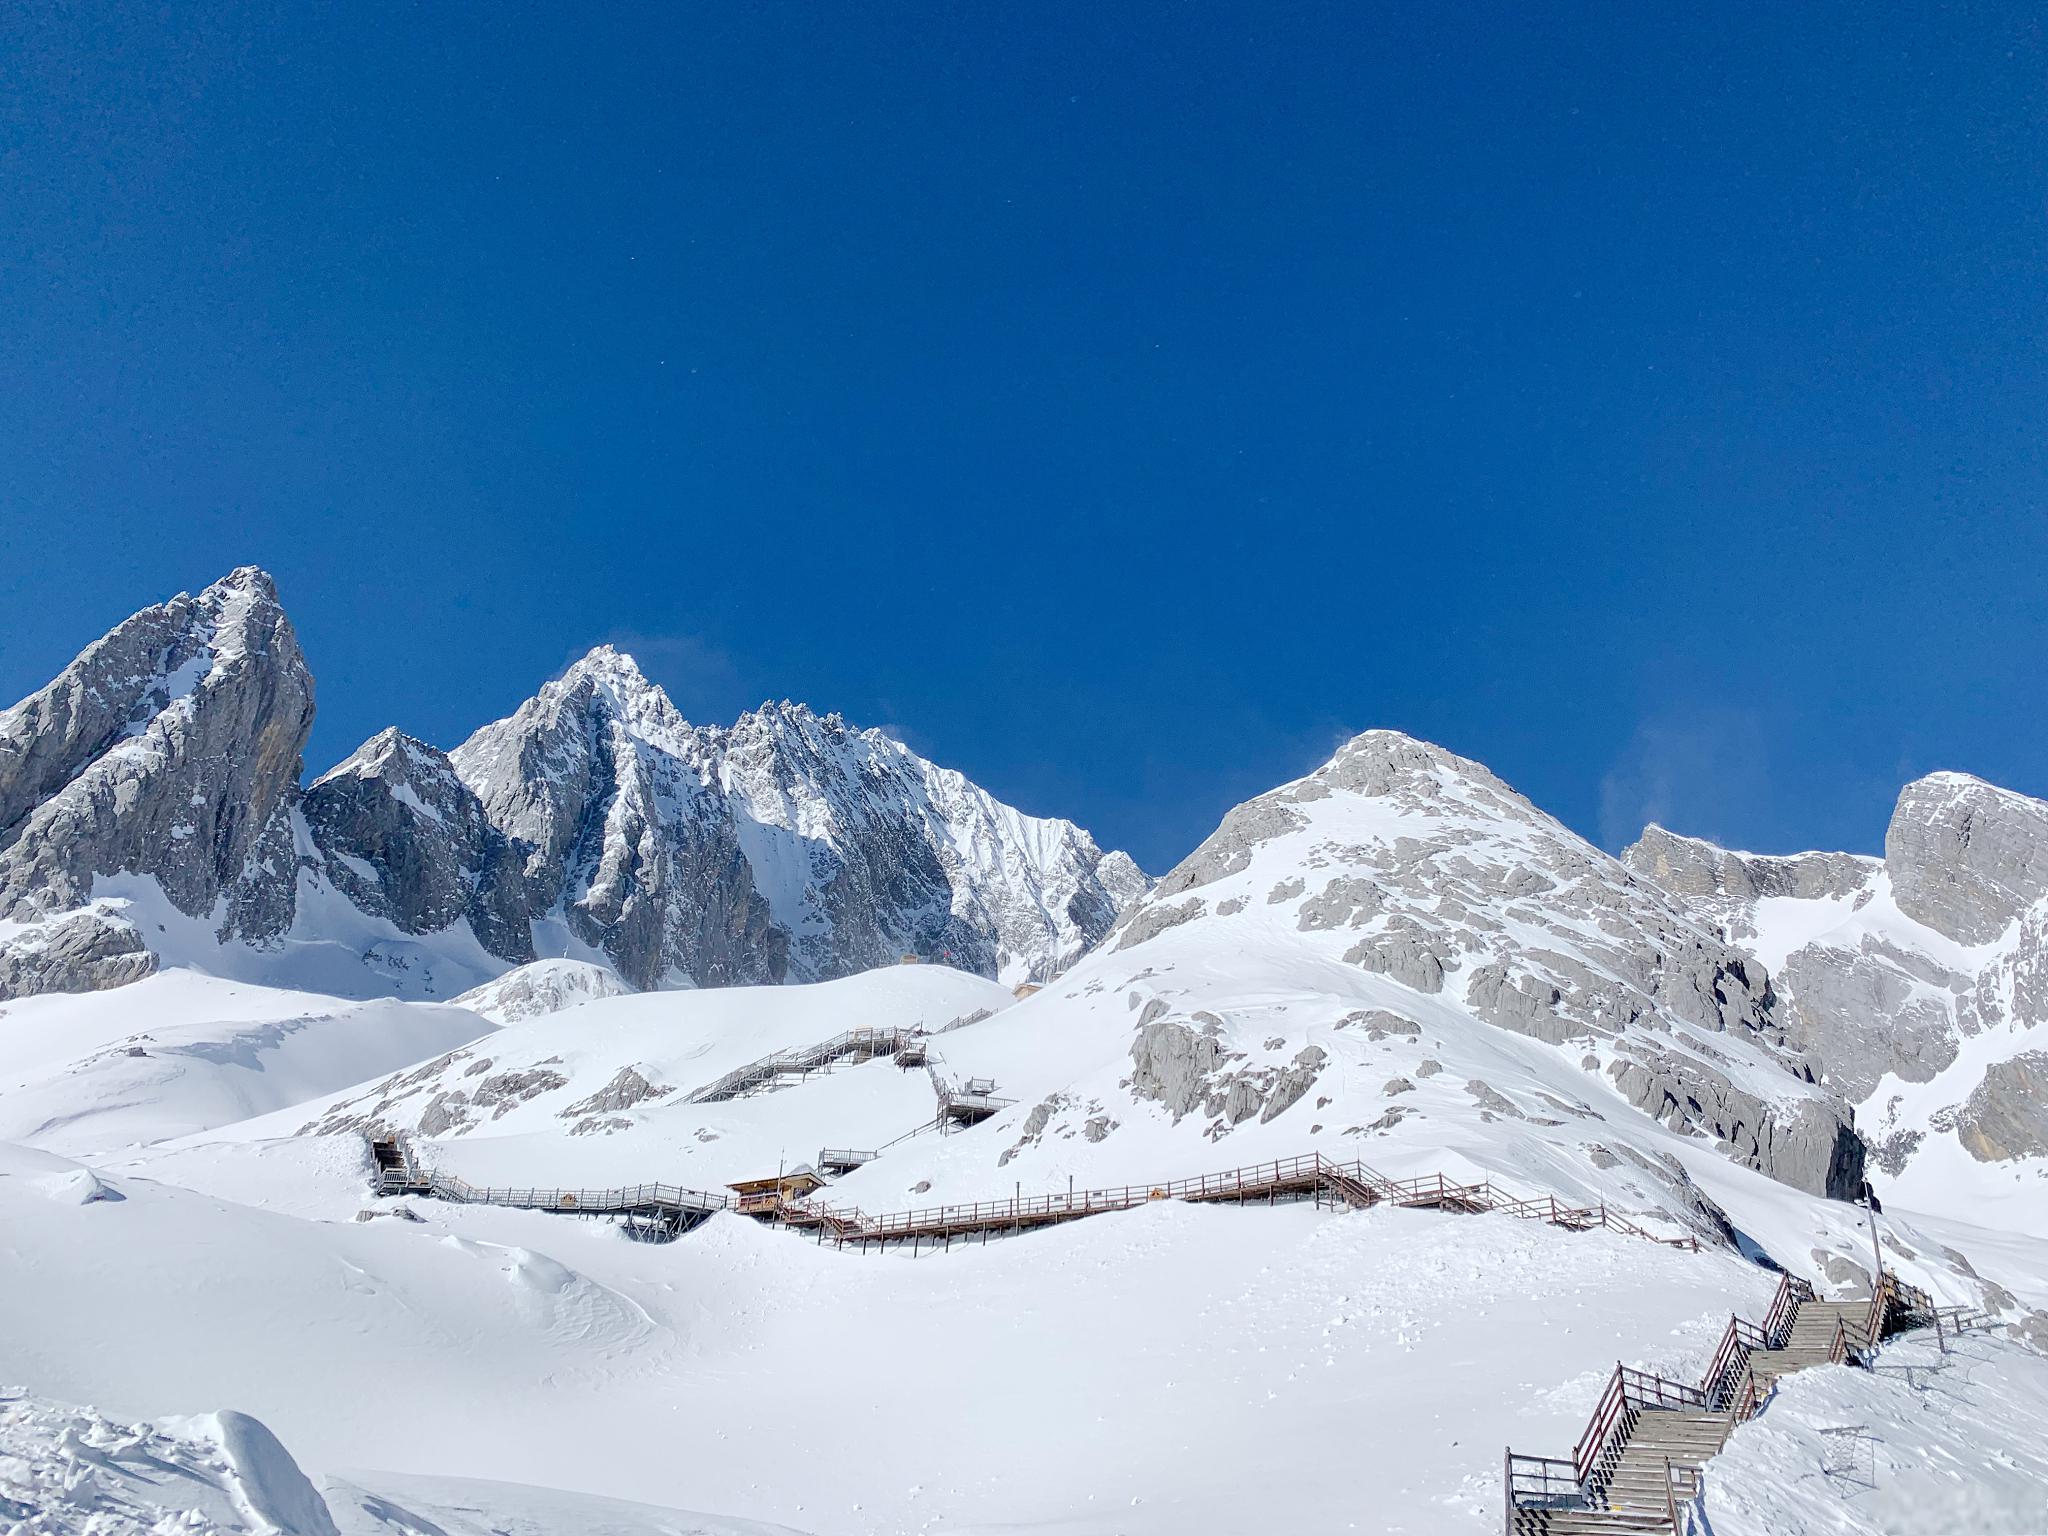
x: 168, y: 749
x: 1187, y: 1070
x: 1811, y: 1146
x: 1451, y: 884
x: 2006, y: 1116
x: 404, y: 839
x: 1886, y: 989
x: 1966, y: 858
x: 78, y: 952
x: 1727, y: 886
x: 788, y: 847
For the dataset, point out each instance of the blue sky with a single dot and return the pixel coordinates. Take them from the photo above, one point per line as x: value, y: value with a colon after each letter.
x: 1124, y: 403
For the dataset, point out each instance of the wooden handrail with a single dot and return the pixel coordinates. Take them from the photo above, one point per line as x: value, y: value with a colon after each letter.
x: 1726, y: 1385
x: 1292, y: 1177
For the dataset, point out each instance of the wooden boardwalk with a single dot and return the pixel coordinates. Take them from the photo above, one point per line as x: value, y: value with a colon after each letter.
x: 1637, y: 1468
x: 651, y: 1212
x: 669, y: 1210
x: 906, y: 1046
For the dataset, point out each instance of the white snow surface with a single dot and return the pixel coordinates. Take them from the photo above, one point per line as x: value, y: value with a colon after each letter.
x: 525, y: 1115
x: 180, y: 1052
x: 70, y: 1471
x: 1929, y: 1443
x: 428, y: 1373
x: 543, y: 986
x: 178, y: 1238
x: 1093, y: 1370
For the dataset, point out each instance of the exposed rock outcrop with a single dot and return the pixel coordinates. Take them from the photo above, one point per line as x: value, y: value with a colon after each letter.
x: 78, y: 952
x: 1884, y: 969
x: 1965, y: 857
x: 1426, y: 869
x: 595, y: 819
x: 790, y: 846
x: 2006, y: 1116
x: 404, y: 839
x: 169, y: 749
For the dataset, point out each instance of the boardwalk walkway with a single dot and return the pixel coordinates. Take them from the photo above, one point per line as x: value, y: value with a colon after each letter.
x: 907, y: 1046
x: 670, y: 1210
x: 651, y: 1212
x: 1638, y: 1466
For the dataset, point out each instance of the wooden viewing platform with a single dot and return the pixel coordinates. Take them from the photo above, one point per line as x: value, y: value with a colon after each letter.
x: 969, y: 1104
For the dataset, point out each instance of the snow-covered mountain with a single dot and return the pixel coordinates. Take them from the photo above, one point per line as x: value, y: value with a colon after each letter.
x: 789, y: 846
x: 1917, y: 983
x: 151, y: 812
x: 1395, y: 958
x: 1400, y: 958
x: 169, y: 747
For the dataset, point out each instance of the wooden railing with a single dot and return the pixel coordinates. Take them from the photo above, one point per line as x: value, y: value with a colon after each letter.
x: 1727, y: 1386
x: 862, y: 1044
x: 1299, y: 1177
x: 1304, y: 1176
x: 582, y: 1202
x: 1541, y: 1482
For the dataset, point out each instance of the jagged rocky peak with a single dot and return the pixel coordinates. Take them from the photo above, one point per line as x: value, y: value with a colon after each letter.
x: 787, y: 846
x: 403, y: 838
x: 594, y: 820
x: 1966, y: 857
x: 1411, y: 862
x: 170, y: 749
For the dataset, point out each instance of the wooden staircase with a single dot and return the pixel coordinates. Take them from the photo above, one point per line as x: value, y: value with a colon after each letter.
x: 904, y: 1046
x: 1638, y: 1465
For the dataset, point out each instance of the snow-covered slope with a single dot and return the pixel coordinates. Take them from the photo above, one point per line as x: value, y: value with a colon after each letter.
x: 1083, y: 1378
x: 1918, y: 984
x: 180, y: 1053
x: 1393, y: 947
x: 151, y: 814
x: 545, y: 986
x: 1930, y: 1441
x: 599, y: 1095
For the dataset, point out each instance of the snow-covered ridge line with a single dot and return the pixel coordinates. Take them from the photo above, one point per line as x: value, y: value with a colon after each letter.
x: 596, y: 824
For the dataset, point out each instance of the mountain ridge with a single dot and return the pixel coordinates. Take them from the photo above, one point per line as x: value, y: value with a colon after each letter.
x: 169, y: 753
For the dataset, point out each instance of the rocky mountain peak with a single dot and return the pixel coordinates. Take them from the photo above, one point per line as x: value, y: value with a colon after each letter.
x: 1408, y: 862
x: 169, y: 748
x: 594, y: 819
x: 1966, y: 857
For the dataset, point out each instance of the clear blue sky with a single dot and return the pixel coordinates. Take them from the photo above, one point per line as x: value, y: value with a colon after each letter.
x: 1122, y: 402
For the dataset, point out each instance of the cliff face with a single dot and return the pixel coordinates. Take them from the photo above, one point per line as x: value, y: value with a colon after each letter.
x: 170, y: 749
x: 594, y: 823
x: 1917, y: 984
